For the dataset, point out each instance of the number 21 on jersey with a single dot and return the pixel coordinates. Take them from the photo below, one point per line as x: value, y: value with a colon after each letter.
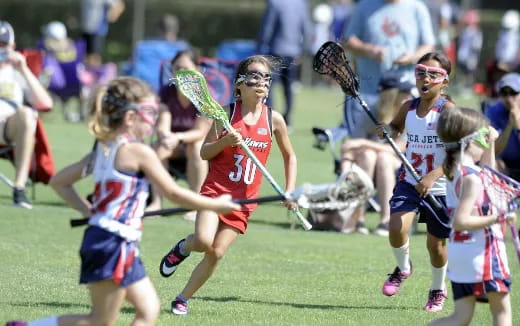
x: 247, y: 173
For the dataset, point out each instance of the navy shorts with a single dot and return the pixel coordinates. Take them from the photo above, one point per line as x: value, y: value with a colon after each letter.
x: 407, y: 199
x: 479, y: 290
x: 106, y: 256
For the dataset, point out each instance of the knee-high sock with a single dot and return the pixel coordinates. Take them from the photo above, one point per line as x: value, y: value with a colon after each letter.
x: 402, y: 256
x: 438, y: 277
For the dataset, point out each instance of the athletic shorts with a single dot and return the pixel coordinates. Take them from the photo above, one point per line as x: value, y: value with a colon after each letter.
x: 406, y: 199
x: 479, y: 290
x: 236, y: 219
x: 105, y: 256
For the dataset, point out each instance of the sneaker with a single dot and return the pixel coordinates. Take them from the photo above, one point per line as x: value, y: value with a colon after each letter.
x: 20, y: 200
x: 16, y: 323
x: 170, y: 262
x: 381, y: 230
x: 361, y: 228
x: 393, y: 284
x: 179, y: 307
x: 436, y: 300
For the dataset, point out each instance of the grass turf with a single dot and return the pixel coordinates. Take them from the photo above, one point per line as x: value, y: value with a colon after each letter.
x: 270, y: 276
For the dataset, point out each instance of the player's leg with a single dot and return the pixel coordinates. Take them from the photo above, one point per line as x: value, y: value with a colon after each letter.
x: 500, y: 306
x: 143, y: 297
x: 223, y: 239
x: 206, y: 226
x: 386, y: 165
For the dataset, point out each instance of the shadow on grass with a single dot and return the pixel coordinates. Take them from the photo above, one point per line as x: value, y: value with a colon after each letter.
x: 64, y: 305
x: 301, y: 305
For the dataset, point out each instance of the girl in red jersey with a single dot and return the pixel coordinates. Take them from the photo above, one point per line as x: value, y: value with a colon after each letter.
x: 232, y: 171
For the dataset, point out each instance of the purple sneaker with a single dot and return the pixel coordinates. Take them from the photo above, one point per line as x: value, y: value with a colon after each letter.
x: 170, y: 262
x: 393, y: 284
x: 179, y: 307
x: 16, y: 323
x: 436, y: 300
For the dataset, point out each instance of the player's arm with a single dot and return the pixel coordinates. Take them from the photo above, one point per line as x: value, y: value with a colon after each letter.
x: 286, y: 149
x: 143, y: 158
x: 214, y: 144
x: 462, y: 218
x: 63, y: 184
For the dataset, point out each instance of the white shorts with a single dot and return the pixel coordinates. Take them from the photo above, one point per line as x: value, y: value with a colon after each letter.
x: 7, y: 109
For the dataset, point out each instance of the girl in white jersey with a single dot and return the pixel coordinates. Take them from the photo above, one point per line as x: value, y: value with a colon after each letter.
x: 477, y: 267
x: 122, y: 115
x: 425, y: 152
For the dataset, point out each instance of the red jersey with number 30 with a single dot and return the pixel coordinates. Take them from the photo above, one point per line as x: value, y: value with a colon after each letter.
x: 232, y: 171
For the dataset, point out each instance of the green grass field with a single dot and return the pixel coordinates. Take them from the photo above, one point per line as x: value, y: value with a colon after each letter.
x: 271, y: 276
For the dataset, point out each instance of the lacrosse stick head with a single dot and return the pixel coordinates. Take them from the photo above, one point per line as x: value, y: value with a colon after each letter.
x: 331, y: 60
x: 193, y: 85
x: 503, y: 192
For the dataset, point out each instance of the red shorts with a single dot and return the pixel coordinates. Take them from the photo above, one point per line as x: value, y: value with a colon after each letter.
x: 236, y: 219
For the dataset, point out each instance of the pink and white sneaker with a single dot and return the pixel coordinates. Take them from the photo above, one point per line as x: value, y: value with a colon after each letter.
x: 436, y: 300
x: 179, y: 307
x: 394, y: 281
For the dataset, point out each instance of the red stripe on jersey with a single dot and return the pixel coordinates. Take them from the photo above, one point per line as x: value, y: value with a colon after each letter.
x: 125, y: 202
x: 119, y: 272
x: 487, y: 275
x: 436, y: 109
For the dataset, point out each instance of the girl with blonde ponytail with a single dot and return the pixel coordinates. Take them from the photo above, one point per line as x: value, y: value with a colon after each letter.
x: 477, y: 260
x: 123, y: 114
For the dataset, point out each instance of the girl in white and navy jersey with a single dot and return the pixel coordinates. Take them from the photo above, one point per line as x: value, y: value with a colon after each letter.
x: 425, y: 153
x: 123, y: 114
x: 477, y: 267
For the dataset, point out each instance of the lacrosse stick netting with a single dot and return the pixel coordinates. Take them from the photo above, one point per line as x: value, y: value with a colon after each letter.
x: 504, y: 196
x: 193, y: 85
x: 352, y: 189
x: 331, y: 60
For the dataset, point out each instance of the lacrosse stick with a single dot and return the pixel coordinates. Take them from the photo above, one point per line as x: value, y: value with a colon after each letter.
x: 346, y: 192
x: 504, y: 195
x: 193, y: 85
x: 331, y: 60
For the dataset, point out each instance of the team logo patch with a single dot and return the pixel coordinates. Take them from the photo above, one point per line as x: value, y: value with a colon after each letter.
x: 431, y: 126
x: 262, y: 131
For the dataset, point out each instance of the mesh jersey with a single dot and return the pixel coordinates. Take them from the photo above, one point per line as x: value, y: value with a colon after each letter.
x: 232, y: 171
x: 119, y: 198
x: 424, y: 149
x: 477, y: 255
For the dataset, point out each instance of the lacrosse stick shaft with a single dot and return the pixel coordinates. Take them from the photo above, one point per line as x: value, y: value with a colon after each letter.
x: 306, y: 225
x: 431, y: 200
x: 178, y: 210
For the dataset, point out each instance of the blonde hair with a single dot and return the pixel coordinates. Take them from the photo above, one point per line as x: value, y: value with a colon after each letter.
x: 110, y: 104
x: 453, y: 125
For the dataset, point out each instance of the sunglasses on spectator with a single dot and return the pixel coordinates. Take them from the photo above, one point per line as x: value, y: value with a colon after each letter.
x: 505, y: 92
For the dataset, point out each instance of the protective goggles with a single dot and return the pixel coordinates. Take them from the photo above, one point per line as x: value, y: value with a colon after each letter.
x: 148, y: 111
x: 435, y: 74
x: 253, y: 78
x: 480, y: 136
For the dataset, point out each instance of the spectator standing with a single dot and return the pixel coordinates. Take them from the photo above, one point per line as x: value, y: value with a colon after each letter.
x: 341, y: 9
x: 504, y: 116
x: 96, y: 16
x: 507, y: 51
x: 285, y: 34
x: 384, y: 35
x: 18, y: 86
x: 469, y: 47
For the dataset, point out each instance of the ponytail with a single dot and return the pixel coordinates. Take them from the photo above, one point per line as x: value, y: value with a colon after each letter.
x: 98, y: 124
